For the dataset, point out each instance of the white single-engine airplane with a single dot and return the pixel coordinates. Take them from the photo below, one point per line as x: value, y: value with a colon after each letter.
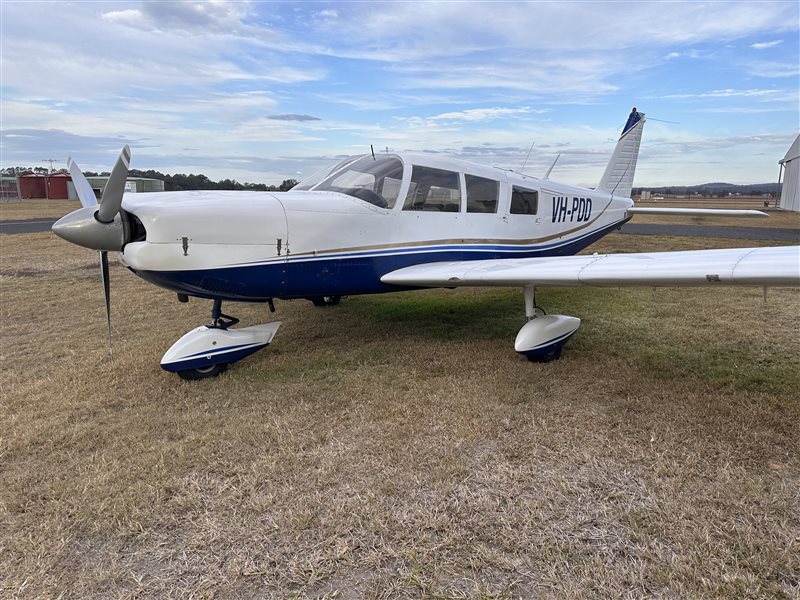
x: 387, y: 223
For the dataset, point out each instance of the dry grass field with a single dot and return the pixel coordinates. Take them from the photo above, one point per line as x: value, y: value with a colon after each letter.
x: 395, y: 446
x: 37, y: 209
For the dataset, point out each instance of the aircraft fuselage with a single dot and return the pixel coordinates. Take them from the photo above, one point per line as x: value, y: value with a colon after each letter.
x: 337, y: 234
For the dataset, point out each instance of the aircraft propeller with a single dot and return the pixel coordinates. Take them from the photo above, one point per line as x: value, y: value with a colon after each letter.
x: 102, y: 227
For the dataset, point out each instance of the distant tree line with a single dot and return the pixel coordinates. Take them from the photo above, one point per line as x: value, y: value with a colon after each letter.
x: 713, y: 189
x: 172, y: 183
x: 14, y: 171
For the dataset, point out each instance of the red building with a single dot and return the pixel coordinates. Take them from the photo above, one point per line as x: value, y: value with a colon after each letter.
x: 52, y: 186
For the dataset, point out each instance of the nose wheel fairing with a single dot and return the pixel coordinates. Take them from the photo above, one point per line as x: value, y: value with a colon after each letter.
x: 205, y: 346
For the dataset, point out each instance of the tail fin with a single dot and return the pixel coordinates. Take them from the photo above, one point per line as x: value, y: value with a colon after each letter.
x: 618, y: 176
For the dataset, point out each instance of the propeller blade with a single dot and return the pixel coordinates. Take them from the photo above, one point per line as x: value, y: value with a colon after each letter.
x: 82, y: 186
x: 115, y: 187
x: 106, y: 292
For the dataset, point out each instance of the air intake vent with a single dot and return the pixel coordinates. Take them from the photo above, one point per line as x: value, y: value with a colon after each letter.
x: 138, y: 232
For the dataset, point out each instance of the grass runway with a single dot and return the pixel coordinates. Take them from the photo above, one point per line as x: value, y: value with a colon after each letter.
x: 395, y: 446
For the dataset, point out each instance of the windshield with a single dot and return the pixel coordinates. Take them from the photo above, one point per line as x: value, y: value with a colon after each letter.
x: 312, y: 180
x: 374, y: 180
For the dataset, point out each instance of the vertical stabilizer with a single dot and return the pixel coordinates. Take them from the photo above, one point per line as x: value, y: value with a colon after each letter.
x: 618, y: 176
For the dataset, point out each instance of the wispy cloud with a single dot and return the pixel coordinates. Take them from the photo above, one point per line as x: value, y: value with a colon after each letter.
x: 219, y: 17
x: 772, y: 68
x: 291, y: 117
x: 756, y: 93
x: 484, y: 114
x: 692, y: 53
x: 765, y: 45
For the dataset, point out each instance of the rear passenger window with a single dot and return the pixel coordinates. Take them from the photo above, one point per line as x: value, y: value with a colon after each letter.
x: 481, y: 194
x: 524, y: 202
x: 433, y: 189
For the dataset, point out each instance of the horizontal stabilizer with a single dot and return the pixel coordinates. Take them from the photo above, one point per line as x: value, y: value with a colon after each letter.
x: 697, y: 212
x: 776, y: 266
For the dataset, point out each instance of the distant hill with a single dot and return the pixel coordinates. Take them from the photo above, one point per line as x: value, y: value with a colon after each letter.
x: 714, y: 189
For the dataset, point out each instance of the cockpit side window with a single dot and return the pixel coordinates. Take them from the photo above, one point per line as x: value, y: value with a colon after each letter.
x: 433, y: 189
x: 482, y: 194
x: 524, y: 202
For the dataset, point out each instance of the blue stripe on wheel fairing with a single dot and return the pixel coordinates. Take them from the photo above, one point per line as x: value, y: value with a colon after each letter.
x: 555, y: 340
x: 220, y: 350
x: 208, y: 359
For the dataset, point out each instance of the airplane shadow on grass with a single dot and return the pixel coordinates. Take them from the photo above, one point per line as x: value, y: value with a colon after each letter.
x: 460, y: 315
x: 623, y: 324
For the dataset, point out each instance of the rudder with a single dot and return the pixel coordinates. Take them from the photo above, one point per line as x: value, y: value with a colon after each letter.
x: 618, y: 176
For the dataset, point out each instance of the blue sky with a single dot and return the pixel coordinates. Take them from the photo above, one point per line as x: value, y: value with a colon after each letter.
x: 265, y: 91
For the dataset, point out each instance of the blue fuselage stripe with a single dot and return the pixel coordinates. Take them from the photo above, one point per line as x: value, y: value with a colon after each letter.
x: 341, y: 275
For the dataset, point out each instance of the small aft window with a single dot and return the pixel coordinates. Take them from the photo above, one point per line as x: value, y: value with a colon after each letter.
x: 524, y: 202
x: 433, y: 189
x: 481, y: 194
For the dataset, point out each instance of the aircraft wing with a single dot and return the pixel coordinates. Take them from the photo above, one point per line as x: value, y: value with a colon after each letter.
x: 774, y: 266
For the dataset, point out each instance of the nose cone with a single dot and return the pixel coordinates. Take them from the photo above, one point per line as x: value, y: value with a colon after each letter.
x: 83, y: 229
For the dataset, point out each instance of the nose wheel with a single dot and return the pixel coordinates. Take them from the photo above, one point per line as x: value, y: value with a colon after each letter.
x: 208, y: 350
x: 320, y: 301
x: 203, y: 372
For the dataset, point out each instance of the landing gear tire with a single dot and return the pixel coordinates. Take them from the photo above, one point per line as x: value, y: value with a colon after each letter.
x: 203, y: 372
x: 546, y: 358
x: 326, y: 300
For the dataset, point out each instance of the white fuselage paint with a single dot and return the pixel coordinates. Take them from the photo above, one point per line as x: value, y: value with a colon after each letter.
x: 218, y: 231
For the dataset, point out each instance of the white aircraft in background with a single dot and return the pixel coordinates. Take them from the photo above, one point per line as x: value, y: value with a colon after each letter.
x: 388, y: 223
